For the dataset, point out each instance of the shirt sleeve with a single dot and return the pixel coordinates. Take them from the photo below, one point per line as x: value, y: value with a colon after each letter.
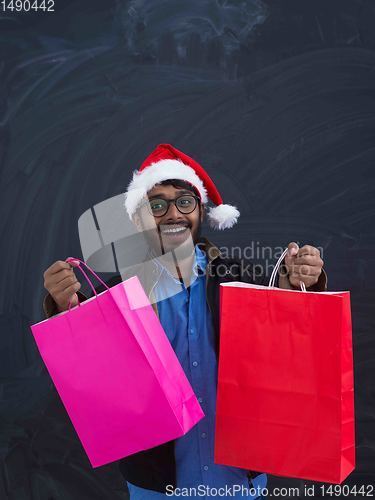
x: 50, y: 306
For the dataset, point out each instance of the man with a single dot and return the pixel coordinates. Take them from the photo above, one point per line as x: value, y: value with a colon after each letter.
x: 167, y: 200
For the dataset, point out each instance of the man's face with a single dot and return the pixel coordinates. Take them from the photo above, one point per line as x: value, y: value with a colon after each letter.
x: 174, y: 229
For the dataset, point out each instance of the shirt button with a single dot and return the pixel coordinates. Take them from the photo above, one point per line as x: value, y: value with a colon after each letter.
x: 191, y: 331
x: 200, y: 400
x: 205, y: 467
x: 203, y: 435
x: 195, y: 363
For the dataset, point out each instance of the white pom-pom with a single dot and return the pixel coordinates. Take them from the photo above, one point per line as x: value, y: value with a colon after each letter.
x: 223, y: 216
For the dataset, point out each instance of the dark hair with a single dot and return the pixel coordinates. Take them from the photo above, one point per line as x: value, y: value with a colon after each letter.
x: 178, y: 183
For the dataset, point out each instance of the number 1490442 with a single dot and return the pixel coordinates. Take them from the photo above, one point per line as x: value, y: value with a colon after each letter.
x: 27, y: 5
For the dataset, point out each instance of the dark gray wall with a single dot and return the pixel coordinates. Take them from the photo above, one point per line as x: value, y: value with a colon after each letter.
x: 275, y: 98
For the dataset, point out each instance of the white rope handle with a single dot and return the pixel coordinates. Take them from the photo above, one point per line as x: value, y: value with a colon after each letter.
x: 272, y: 280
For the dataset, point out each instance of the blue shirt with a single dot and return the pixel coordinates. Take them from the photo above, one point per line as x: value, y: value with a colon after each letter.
x: 187, y: 321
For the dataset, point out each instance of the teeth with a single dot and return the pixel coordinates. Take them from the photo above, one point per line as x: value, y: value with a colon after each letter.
x: 177, y: 230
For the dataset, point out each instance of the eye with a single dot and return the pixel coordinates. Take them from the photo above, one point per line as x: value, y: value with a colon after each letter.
x: 185, y: 201
x: 157, y: 204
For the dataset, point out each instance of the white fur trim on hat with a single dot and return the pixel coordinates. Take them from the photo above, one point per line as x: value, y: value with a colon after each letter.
x: 223, y: 216
x: 155, y: 173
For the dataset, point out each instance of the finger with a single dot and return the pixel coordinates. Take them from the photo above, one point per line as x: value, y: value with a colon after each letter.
x: 305, y: 270
x: 65, y: 295
x: 51, y: 281
x: 292, y: 249
x: 73, y: 301
x: 56, y: 267
x: 307, y: 280
x: 308, y: 250
x: 72, y: 261
x: 63, y: 305
x: 71, y: 290
x: 65, y: 275
x: 65, y: 283
x: 308, y: 259
x: 60, y: 289
x: 291, y: 254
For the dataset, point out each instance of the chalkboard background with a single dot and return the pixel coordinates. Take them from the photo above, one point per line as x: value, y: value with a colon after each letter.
x: 275, y: 98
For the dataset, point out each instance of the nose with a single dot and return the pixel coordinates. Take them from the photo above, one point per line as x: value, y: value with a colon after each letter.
x: 173, y: 213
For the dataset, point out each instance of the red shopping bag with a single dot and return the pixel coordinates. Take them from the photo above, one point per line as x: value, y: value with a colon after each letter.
x: 285, y: 402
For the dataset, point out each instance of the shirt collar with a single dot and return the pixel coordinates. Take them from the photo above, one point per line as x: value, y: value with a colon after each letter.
x: 200, y: 260
x: 199, y: 265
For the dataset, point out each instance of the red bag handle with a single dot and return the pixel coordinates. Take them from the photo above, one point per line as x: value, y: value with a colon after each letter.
x: 79, y: 266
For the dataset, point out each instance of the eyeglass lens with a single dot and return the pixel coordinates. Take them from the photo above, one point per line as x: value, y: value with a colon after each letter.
x: 185, y: 204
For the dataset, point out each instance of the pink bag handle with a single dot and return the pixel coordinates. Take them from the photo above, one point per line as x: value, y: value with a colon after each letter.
x: 81, y: 262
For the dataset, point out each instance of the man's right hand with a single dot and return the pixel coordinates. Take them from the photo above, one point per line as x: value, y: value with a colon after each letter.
x: 62, y: 284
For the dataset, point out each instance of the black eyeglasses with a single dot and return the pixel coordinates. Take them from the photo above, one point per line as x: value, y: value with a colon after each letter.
x: 185, y: 204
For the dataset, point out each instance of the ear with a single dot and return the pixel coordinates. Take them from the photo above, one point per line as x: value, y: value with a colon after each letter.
x: 137, y: 221
x: 203, y: 212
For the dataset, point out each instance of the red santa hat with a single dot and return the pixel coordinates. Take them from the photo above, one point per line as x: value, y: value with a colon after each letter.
x: 167, y: 162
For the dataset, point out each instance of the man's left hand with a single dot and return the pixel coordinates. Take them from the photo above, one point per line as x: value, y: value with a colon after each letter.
x: 303, y: 264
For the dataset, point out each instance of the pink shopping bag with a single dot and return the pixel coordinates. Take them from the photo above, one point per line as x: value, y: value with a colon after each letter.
x: 116, y: 373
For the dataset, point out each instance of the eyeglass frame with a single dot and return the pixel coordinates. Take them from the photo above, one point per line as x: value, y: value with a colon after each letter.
x: 173, y: 200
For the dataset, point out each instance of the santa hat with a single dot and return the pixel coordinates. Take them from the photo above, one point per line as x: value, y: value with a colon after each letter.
x: 167, y: 162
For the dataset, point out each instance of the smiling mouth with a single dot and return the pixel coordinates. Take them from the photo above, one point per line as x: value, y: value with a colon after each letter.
x: 173, y: 229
